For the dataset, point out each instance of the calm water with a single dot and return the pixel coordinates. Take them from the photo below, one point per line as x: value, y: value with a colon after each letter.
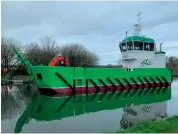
x: 14, y: 104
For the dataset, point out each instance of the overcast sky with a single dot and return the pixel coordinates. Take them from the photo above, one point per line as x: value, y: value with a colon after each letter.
x: 99, y: 26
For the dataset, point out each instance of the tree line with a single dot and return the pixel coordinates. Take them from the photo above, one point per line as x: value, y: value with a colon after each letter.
x: 172, y: 63
x: 42, y: 52
x: 46, y: 48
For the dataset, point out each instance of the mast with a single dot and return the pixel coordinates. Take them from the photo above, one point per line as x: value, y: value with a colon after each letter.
x: 160, y: 47
x: 126, y: 33
x: 137, y: 26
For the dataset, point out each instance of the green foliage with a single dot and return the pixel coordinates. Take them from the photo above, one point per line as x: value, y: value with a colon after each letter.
x: 169, y: 125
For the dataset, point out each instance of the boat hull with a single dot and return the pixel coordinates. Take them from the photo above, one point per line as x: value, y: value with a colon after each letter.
x: 98, y: 84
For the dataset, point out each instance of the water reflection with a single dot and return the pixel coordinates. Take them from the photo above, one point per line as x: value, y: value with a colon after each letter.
x: 14, y: 99
x: 23, y: 110
x: 144, y: 113
x: 44, y: 108
x: 138, y: 114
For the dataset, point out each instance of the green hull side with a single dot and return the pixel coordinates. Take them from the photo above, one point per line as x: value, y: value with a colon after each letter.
x: 54, y: 108
x: 46, y: 108
x: 51, y: 80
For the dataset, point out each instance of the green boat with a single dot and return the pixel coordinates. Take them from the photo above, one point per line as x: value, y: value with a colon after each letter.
x: 142, y: 80
x: 70, y: 91
x: 44, y: 108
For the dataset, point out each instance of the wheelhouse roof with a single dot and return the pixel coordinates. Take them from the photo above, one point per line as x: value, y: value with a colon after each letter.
x: 138, y: 38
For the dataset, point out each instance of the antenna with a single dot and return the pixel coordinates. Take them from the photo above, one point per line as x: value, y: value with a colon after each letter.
x: 160, y: 46
x: 126, y: 33
x: 138, y: 25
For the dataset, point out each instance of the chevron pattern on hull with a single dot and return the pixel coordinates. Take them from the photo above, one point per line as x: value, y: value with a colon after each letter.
x: 138, y: 85
x: 150, y: 87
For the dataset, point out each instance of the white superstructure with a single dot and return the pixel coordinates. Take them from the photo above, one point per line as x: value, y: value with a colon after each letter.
x: 140, y: 52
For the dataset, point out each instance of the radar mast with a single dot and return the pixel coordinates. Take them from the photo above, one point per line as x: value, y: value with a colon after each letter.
x: 137, y: 26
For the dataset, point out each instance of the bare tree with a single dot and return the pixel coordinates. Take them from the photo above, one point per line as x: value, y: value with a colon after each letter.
x: 49, y: 45
x: 43, y: 51
x: 33, y: 53
x: 8, y: 57
x: 173, y: 63
x: 78, y: 55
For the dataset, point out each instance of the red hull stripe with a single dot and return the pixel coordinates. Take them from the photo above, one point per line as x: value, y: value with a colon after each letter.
x: 103, y: 89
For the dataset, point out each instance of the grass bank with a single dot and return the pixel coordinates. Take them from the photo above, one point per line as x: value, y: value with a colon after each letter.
x: 169, y: 125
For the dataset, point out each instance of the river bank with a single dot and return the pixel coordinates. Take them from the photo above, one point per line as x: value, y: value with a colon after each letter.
x: 169, y: 125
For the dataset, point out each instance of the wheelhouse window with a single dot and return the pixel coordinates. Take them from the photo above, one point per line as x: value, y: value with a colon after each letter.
x: 120, y: 46
x: 129, y: 46
x: 123, y: 47
x: 148, y: 46
x: 138, y: 45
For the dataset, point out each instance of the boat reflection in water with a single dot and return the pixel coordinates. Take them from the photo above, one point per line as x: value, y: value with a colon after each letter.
x: 143, y: 113
x: 46, y: 108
